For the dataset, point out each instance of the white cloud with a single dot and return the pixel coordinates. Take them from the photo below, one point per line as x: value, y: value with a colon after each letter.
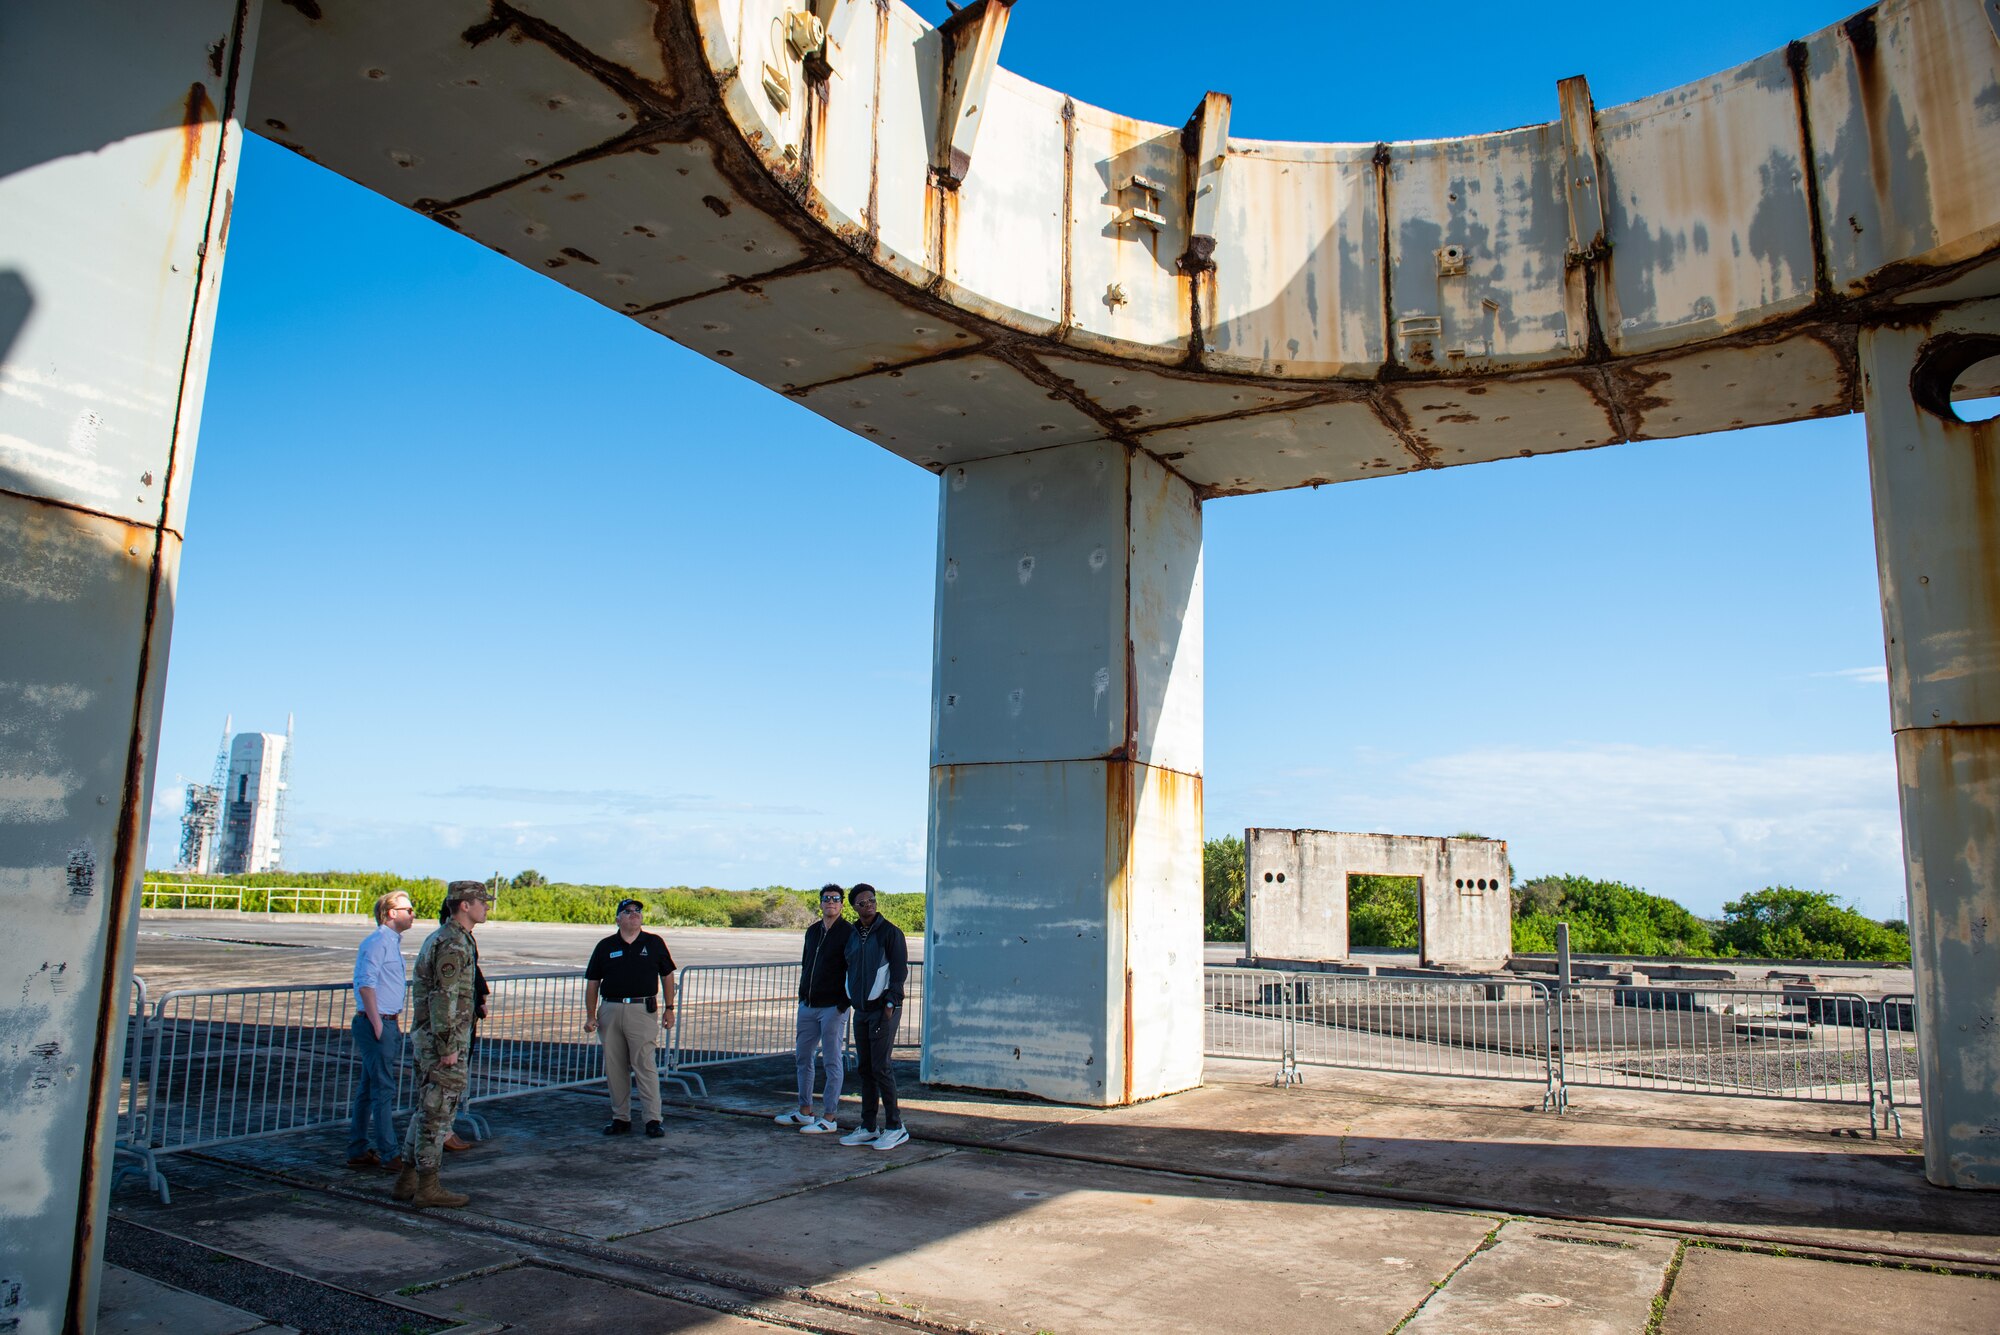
x: 1860, y: 676
x: 640, y: 850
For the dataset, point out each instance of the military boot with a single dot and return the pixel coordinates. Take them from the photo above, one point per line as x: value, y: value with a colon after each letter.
x: 432, y: 1192
x: 406, y: 1183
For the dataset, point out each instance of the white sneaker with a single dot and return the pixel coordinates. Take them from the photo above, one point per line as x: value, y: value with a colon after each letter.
x: 890, y: 1138
x: 819, y: 1126
x: 793, y: 1119
x: 860, y: 1135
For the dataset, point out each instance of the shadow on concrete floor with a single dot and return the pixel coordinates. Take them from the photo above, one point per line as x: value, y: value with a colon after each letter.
x: 1021, y: 1215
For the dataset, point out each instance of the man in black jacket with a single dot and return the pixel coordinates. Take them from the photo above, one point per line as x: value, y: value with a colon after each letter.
x: 822, y: 1014
x: 878, y: 964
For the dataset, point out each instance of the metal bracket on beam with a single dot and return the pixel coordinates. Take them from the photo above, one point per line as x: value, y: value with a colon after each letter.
x: 972, y: 38
x: 1581, y: 186
x: 1205, y: 140
x: 1583, y: 192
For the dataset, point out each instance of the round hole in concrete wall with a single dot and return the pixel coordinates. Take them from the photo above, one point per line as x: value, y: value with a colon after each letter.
x: 1281, y: 878
x: 1458, y: 884
x: 1957, y: 377
x: 1267, y: 878
x: 1975, y: 395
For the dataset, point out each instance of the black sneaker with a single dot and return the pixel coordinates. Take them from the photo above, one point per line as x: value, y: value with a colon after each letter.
x: 614, y: 1127
x: 655, y: 1130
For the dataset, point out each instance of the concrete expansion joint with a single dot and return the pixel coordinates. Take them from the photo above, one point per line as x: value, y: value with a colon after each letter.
x: 1107, y: 758
x: 948, y: 355
x: 56, y: 503
x: 1940, y: 725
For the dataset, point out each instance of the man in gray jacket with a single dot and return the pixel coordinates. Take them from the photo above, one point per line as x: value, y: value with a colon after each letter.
x: 878, y: 964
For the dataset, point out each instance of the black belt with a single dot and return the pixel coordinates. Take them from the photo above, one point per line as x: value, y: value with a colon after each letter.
x: 631, y: 1001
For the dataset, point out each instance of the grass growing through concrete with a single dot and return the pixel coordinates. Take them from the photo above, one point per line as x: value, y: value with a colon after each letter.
x: 1660, y: 1299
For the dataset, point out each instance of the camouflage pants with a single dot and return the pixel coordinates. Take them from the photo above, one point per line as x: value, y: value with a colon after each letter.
x: 437, y: 1107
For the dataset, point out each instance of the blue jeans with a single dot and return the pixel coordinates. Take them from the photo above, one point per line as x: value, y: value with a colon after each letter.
x: 371, y: 1125
x: 824, y: 1028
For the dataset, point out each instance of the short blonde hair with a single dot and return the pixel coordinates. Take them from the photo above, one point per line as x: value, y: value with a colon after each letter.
x: 386, y: 902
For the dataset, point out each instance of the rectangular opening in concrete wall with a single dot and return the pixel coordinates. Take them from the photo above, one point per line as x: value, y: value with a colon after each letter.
x: 1384, y: 911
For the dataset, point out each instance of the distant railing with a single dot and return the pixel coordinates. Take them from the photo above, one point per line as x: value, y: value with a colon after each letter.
x: 264, y: 899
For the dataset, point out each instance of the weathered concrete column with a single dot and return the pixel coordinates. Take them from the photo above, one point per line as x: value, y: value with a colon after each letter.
x: 1064, y: 933
x: 1936, y: 485
x: 117, y: 165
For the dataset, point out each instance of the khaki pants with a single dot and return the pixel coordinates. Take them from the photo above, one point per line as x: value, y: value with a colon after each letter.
x: 630, y: 1033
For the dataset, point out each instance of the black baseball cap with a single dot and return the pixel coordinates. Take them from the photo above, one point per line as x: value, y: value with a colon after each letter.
x: 624, y: 904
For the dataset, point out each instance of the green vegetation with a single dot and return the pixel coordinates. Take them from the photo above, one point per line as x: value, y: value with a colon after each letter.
x: 1779, y: 922
x: 1383, y: 911
x: 530, y: 897
x: 1605, y: 918
x: 1222, y: 888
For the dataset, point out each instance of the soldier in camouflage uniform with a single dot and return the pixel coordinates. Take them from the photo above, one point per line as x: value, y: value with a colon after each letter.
x: 441, y: 1008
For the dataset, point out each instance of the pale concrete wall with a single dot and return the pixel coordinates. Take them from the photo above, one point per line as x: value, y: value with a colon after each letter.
x: 1064, y: 924
x: 1296, y: 893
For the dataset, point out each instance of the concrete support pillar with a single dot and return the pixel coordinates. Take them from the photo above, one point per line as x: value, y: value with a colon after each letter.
x: 117, y: 166
x: 1064, y: 935
x: 1936, y: 485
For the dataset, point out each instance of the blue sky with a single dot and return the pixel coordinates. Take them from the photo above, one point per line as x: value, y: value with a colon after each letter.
x: 546, y: 590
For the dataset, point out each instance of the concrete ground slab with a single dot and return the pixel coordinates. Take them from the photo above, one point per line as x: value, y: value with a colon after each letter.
x: 539, y: 1298
x: 998, y: 1242
x: 548, y: 1166
x: 768, y: 1087
x: 1726, y: 1292
x: 131, y: 1304
x: 1553, y: 1279
x: 323, y: 1238
x: 1776, y: 1187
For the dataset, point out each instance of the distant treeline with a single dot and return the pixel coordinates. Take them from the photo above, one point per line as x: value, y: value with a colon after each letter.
x: 530, y: 897
x: 1604, y: 917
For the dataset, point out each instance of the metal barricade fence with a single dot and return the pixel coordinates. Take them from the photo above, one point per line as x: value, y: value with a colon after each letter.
x: 734, y: 1012
x: 1793, y: 1044
x: 741, y: 1012
x: 1744, y: 1042
x: 1248, y: 1013
x: 132, y: 1152
x: 1482, y: 1029
x: 206, y: 1066
x: 227, y: 1063
x: 1895, y: 1018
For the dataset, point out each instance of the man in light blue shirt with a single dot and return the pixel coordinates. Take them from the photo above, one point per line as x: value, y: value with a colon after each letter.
x: 378, y: 1036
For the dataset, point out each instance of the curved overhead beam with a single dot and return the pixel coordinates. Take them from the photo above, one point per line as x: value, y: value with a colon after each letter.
x: 792, y: 189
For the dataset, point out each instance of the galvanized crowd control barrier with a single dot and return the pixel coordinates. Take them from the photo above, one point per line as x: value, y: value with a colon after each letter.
x: 208, y: 1066
x: 1786, y: 1043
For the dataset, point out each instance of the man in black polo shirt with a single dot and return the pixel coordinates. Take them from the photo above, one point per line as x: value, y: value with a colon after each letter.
x: 636, y: 976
